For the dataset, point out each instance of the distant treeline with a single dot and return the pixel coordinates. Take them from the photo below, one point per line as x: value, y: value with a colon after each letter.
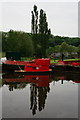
x: 58, y: 40
x: 22, y: 42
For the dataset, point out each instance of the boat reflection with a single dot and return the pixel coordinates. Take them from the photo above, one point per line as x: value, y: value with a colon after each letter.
x: 20, y: 81
x: 39, y: 86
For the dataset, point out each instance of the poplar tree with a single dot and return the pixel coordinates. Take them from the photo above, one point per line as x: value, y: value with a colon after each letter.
x: 40, y: 31
x: 44, y: 32
x: 34, y: 26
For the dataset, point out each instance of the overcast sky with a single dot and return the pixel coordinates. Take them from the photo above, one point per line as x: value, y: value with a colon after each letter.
x: 62, y: 16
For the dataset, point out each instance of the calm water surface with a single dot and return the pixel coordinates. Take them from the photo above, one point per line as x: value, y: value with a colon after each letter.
x: 37, y: 96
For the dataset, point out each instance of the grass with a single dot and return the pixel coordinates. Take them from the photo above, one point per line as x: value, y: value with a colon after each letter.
x: 3, y: 54
x: 71, y: 59
x: 25, y: 59
x: 52, y: 61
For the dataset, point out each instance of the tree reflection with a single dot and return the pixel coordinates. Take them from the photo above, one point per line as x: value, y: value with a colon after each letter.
x: 33, y: 98
x: 38, y: 95
x: 42, y: 96
x: 13, y: 86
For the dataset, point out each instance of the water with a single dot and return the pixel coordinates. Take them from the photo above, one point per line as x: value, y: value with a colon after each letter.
x: 54, y: 96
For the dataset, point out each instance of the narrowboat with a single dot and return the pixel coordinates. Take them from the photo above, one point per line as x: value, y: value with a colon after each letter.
x: 35, y: 66
x: 70, y: 66
x: 10, y: 65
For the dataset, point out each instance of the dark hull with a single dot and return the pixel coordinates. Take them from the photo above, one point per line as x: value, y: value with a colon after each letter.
x: 11, y: 68
x: 35, y: 73
x: 65, y: 68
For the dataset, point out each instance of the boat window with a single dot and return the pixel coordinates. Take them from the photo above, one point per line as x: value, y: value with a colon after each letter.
x: 29, y: 66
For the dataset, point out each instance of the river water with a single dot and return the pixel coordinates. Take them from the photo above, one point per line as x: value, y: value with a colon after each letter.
x: 40, y: 96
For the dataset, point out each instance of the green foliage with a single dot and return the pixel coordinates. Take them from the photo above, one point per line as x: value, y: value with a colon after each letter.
x: 44, y: 32
x: 18, y: 42
x: 78, y: 51
x: 3, y: 54
x: 43, y: 25
x: 26, y: 45
x: 50, y: 50
x: 34, y: 21
x: 64, y: 47
x: 57, y: 49
x: 58, y: 40
x: 78, y: 48
x: 72, y: 49
x: 22, y: 42
x: 40, y: 32
x: 34, y: 27
x: 4, y: 41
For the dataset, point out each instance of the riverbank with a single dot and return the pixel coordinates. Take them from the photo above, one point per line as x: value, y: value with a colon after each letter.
x: 52, y: 60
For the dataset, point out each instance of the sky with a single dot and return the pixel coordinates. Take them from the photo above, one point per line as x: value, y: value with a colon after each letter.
x: 62, y: 16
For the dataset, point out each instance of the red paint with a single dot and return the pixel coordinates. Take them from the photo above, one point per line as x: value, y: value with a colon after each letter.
x: 38, y: 80
x: 73, y: 63
x: 16, y: 62
x: 38, y: 66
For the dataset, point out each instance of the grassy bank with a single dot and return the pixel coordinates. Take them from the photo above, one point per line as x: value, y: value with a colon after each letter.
x: 55, y: 61
x: 52, y: 60
x: 3, y: 54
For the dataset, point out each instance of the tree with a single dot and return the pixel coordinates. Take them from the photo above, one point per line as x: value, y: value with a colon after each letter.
x: 40, y: 32
x: 16, y: 41
x: 50, y: 50
x: 44, y: 32
x: 34, y: 26
x: 57, y: 49
x: 4, y: 41
x: 26, y: 45
x: 72, y: 48
x: 78, y: 51
x: 64, y: 47
x: 34, y: 21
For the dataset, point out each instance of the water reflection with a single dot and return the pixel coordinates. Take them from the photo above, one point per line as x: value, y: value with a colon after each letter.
x: 38, y: 95
x: 39, y: 86
x: 41, y: 82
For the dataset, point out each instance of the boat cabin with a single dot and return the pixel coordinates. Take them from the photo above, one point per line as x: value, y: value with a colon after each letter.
x: 38, y: 65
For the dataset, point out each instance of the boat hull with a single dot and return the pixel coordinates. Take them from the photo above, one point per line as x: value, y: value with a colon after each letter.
x: 11, y: 67
x: 65, y: 68
x: 35, y: 73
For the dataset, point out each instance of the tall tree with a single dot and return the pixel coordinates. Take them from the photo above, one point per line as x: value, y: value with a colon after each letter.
x: 44, y: 32
x: 34, y: 26
x: 34, y: 21
x: 40, y: 32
